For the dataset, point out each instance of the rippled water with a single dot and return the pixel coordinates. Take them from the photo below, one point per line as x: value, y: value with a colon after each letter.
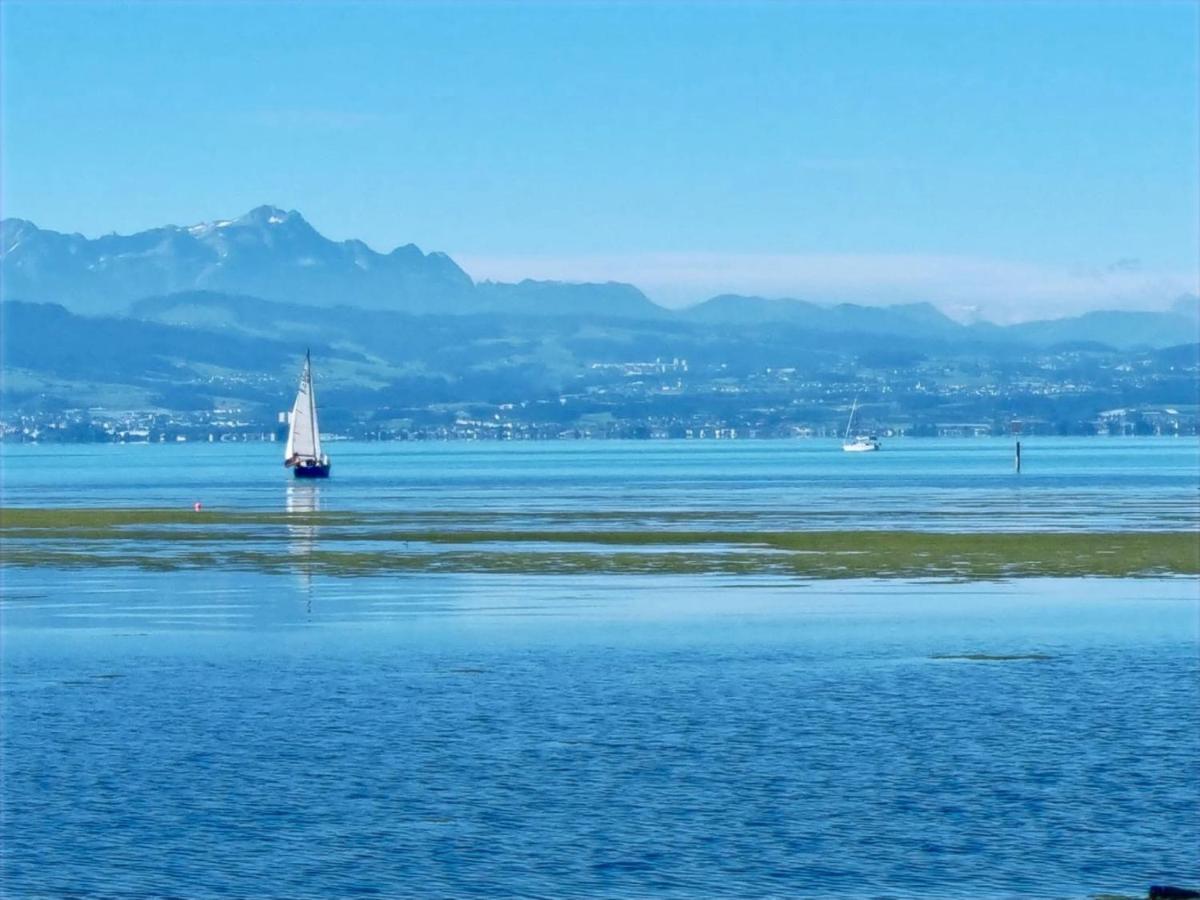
x: 241, y: 736
x: 210, y: 733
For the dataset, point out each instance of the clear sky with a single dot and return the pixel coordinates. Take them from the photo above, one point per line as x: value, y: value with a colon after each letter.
x: 1015, y: 158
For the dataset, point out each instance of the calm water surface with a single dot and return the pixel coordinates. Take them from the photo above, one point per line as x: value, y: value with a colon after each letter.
x: 945, y: 485
x: 232, y: 734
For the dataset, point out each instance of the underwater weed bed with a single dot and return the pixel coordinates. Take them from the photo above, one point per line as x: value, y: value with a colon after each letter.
x: 348, y: 543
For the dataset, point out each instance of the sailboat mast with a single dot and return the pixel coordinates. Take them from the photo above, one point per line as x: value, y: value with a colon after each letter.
x: 312, y: 406
x: 850, y: 421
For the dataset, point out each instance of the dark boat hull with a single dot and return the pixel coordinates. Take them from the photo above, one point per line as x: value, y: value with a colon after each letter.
x: 314, y: 471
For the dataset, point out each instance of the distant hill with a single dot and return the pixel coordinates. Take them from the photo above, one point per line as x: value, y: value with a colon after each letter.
x: 188, y: 349
x: 58, y: 342
x: 1114, y: 328
x: 205, y: 350
x: 1181, y: 356
x: 913, y: 319
x: 610, y: 300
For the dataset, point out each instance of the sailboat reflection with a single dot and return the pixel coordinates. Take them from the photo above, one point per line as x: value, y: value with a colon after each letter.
x: 303, y: 498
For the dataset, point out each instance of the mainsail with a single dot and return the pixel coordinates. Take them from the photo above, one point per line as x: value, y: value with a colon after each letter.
x: 304, y: 437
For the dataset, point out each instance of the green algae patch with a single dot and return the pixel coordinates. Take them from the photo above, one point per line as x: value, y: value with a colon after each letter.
x: 345, y: 543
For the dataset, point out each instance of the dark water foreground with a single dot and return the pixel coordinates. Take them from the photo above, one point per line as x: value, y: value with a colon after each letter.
x: 219, y: 733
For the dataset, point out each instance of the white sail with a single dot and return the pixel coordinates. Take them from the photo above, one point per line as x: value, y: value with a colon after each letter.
x: 304, y: 436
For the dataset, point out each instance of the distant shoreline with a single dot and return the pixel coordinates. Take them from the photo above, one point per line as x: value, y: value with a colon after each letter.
x: 586, y: 437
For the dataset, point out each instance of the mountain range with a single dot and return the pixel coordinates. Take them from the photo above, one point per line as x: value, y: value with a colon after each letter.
x: 276, y: 255
x: 268, y: 253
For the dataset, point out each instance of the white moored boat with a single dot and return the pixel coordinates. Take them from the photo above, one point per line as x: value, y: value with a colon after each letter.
x: 862, y: 443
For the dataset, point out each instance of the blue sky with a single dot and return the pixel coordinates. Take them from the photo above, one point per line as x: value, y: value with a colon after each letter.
x: 1005, y: 158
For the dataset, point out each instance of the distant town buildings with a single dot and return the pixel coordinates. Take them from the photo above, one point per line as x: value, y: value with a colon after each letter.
x: 678, y: 399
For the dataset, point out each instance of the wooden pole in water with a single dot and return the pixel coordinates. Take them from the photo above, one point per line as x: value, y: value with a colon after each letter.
x: 1017, y: 459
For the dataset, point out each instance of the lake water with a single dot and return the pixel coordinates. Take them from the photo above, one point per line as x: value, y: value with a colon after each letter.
x: 210, y: 733
x: 942, y: 485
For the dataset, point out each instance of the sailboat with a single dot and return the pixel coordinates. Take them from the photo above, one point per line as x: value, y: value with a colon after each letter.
x: 862, y: 443
x: 303, y: 452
